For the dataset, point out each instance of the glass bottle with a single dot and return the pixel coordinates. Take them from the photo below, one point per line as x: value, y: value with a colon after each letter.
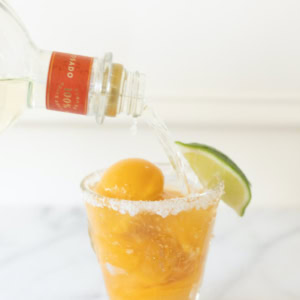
x: 35, y: 78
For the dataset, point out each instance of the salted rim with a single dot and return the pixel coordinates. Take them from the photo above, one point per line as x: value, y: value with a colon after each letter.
x: 160, y: 207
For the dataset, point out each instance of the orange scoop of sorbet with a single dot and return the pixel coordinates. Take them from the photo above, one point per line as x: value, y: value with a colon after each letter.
x: 132, y: 179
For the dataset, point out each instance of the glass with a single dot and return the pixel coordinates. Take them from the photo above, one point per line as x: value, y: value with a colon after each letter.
x: 151, y: 249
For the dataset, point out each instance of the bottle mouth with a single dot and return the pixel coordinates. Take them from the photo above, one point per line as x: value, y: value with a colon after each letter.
x: 132, y: 94
x: 121, y: 91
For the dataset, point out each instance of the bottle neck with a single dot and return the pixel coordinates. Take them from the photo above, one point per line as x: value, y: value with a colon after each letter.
x: 85, y: 85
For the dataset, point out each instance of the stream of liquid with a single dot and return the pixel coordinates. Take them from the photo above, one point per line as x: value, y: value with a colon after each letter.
x: 167, y: 142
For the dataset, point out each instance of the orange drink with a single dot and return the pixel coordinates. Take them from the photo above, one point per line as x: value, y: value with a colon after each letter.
x: 150, y: 249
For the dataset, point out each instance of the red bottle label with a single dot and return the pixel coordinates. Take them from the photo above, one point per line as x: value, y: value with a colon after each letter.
x: 68, y: 83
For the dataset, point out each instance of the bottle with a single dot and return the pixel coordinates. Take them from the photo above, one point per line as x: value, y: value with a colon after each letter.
x: 34, y: 78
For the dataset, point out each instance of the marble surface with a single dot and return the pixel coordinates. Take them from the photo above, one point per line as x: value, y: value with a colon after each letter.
x: 45, y: 254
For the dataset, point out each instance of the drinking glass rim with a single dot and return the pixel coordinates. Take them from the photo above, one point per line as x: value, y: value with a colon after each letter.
x: 202, y: 199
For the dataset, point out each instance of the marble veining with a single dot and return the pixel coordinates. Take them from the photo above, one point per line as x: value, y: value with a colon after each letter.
x: 45, y: 254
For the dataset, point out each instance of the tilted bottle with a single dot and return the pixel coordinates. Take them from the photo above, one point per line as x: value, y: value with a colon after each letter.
x: 34, y: 78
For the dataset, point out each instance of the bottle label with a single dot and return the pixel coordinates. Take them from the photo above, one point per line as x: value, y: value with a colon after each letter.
x: 68, y: 83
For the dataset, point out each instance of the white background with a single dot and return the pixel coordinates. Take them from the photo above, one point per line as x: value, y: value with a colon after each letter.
x: 216, y: 48
x: 226, y: 73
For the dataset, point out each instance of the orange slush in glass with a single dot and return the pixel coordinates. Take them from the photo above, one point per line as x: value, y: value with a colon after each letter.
x: 150, y: 240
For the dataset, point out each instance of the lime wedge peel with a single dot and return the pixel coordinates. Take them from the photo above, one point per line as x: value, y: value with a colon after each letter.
x: 209, y: 164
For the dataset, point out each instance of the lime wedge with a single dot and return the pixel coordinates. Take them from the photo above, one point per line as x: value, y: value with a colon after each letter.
x: 210, y: 165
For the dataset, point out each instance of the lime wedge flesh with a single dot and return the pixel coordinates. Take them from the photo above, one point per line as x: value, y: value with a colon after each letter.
x: 211, y: 165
